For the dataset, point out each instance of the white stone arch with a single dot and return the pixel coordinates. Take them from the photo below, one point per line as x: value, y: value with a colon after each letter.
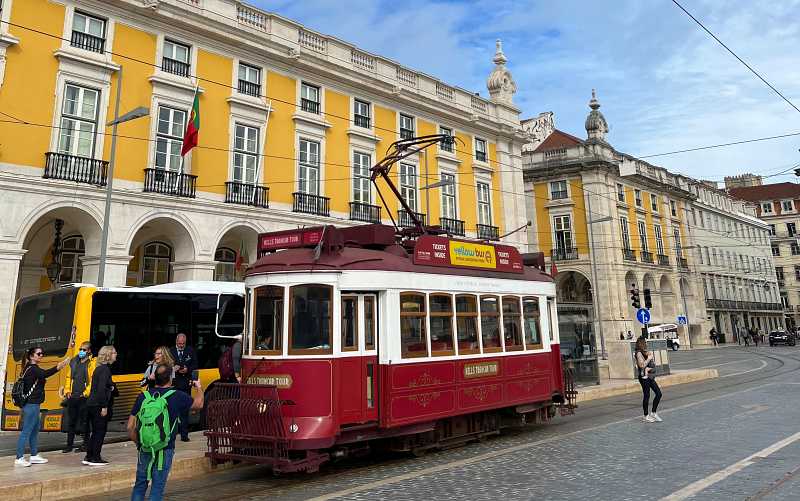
x: 85, y: 215
x: 171, y: 227
x: 239, y: 236
x: 573, y: 287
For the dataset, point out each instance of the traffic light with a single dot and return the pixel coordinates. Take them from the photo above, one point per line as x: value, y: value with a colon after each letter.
x: 648, y: 301
x: 635, y: 297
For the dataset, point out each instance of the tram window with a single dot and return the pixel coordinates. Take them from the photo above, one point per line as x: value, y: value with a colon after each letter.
x: 467, y: 324
x: 349, y: 323
x: 268, y: 315
x: 511, y: 326
x: 551, y: 316
x: 441, y: 312
x: 369, y: 323
x: 490, y: 324
x: 412, y: 325
x: 531, y: 323
x: 310, y: 321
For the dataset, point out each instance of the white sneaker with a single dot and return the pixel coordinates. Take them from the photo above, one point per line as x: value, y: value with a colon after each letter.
x: 22, y: 462
x: 649, y: 419
x: 37, y: 459
x: 656, y: 417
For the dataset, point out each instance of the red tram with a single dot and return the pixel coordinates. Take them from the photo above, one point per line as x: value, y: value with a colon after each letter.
x: 356, y: 338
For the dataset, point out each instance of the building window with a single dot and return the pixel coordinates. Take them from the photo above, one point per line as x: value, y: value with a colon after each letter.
x: 175, y: 59
x: 776, y: 250
x: 449, y: 196
x: 558, y: 190
x: 72, y: 249
x: 225, y: 270
x: 88, y: 32
x: 787, y: 206
x: 620, y: 192
x: 772, y: 230
x: 406, y: 126
x: 249, y: 80
x: 480, y: 150
x: 408, y: 185
x: 78, y: 121
x: 797, y: 273
x: 637, y: 197
x: 673, y: 208
x: 676, y: 233
x: 245, y: 154
x: 361, y: 114
x: 309, y: 98
x: 779, y: 273
x: 446, y: 145
x: 701, y: 218
x: 795, y: 249
x: 626, y: 237
x: 155, y: 263
x: 361, y: 178
x: 308, y: 175
x: 660, y: 240
x: 766, y: 207
x: 169, y: 138
x: 484, y: 204
x: 654, y: 202
x: 643, y: 236
x: 790, y: 227
x: 563, y: 234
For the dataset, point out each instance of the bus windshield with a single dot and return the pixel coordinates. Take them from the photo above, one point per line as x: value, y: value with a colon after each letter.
x: 44, y: 320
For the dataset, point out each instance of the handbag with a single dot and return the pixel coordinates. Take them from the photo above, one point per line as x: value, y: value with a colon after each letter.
x: 18, y: 394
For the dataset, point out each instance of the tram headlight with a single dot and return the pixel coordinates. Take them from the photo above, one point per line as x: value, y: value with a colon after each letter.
x: 293, y: 428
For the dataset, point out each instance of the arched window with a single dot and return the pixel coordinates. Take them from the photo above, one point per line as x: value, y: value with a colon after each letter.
x: 155, y: 263
x: 225, y: 270
x: 72, y: 249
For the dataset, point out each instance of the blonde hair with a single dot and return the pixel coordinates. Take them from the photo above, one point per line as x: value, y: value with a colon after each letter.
x: 105, y: 355
x: 166, y: 356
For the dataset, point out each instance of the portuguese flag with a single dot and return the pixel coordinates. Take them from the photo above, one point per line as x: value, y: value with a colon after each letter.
x: 193, y: 127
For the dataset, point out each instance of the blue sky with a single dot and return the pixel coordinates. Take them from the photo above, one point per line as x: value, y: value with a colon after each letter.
x: 664, y: 84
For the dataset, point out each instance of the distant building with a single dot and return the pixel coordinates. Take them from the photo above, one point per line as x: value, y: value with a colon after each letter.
x: 742, y: 181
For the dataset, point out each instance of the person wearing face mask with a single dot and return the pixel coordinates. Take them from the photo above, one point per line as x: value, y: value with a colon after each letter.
x: 78, y: 386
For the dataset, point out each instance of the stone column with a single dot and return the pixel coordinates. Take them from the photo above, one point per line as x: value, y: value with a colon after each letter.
x: 193, y: 270
x: 509, y: 159
x: 9, y: 272
x: 116, y: 270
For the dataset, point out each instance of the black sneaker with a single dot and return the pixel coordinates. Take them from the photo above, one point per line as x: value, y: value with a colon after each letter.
x: 67, y: 449
x: 85, y: 461
x: 184, y: 439
x: 97, y: 462
x: 82, y: 448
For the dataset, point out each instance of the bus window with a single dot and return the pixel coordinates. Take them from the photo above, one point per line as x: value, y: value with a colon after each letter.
x: 122, y: 319
x: 490, y: 324
x: 412, y: 325
x: 268, y: 314
x: 230, y: 315
x: 467, y: 324
x: 441, y: 313
x: 310, y: 320
x: 349, y: 323
x: 44, y: 320
x: 511, y: 325
x: 531, y: 323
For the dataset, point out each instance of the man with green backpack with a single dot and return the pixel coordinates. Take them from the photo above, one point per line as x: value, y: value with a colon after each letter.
x: 152, y: 425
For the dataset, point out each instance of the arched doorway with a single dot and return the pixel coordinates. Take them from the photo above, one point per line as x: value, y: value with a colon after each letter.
x: 667, y: 301
x: 235, y: 251
x: 156, y: 246
x: 576, y: 325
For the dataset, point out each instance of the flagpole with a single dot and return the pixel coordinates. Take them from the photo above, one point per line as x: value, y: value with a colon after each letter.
x: 185, y: 131
x: 258, y: 160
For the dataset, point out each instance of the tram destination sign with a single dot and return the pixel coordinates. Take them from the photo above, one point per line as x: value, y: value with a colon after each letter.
x: 440, y: 251
x: 288, y: 239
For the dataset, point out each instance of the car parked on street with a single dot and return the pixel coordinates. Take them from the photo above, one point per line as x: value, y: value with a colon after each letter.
x: 782, y: 337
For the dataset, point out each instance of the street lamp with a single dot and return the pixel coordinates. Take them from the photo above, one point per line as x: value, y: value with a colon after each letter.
x: 54, y: 268
x: 138, y: 112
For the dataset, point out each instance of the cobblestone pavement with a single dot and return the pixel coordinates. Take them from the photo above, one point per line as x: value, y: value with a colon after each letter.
x: 730, y: 438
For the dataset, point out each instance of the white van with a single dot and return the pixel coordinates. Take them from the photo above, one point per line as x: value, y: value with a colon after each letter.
x: 665, y: 331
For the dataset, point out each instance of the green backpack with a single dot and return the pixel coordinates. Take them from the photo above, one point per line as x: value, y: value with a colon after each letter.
x: 154, y: 429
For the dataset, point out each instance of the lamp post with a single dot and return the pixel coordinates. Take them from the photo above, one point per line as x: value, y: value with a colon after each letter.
x: 54, y: 268
x: 139, y: 112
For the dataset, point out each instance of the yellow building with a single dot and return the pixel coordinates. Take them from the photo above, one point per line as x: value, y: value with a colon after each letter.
x: 290, y: 122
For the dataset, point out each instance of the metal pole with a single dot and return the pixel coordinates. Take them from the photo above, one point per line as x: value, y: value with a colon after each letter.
x: 427, y: 191
x: 109, y: 184
x: 596, y: 288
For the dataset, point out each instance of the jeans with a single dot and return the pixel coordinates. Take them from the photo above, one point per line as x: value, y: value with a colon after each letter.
x: 30, y: 430
x: 647, y: 385
x: 99, y: 425
x: 159, y: 476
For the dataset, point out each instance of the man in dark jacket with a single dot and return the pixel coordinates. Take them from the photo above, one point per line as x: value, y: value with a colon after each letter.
x: 185, y: 364
x: 78, y: 387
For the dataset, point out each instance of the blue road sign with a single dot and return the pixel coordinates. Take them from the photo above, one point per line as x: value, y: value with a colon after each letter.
x: 643, y: 316
x: 682, y: 320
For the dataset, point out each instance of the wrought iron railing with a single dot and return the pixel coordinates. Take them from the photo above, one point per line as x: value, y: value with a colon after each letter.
x: 361, y: 121
x: 629, y: 254
x: 311, y: 204
x: 481, y: 156
x: 88, y: 42
x: 175, y: 67
x: 683, y: 263
x: 488, y: 232
x: 663, y: 260
x: 406, y: 133
x: 404, y: 219
x: 250, y: 88
x: 646, y: 257
x: 452, y: 226
x: 169, y: 183
x: 246, y: 194
x: 309, y: 106
x: 74, y: 168
x: 368, y: 213
x: 558, y: 195
x: 564, y: 254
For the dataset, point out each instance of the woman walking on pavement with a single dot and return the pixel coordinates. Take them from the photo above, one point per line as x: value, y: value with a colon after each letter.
x: 33, y: 378
x: 646, y: 365
x: 98, y: 404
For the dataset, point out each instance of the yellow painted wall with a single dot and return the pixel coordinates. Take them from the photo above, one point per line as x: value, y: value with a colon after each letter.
x: 280, y: 148
x: 211, y: 164
x: 543, y: 227
x: 132, y: 154
x: 27, y: 92
x: 385, y: 125
x: 633, y: 225
x: 337, y: 170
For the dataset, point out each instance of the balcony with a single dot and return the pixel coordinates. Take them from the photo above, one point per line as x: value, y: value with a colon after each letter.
x: 647, y: 257
x: 713, y: 304
x: 629, y: 254
x: 360, y: 211
x: 311, y: 204
x: 249, y: 88
x: 309, y: 106
x: 175, y: 67
x: 361, y: 121
x: 683, y: 263
x: 488, y: 232
x: 564, y: 254
x: 246, y: 194
x: 452, y: 226
x: 404, y: 219
x: 663, y: 260
x: 73, y: 168
x: 88, y: 42
x: 406, y: 133
x: 169, y: 183
x: 481, y: 157
x: 559, y: 195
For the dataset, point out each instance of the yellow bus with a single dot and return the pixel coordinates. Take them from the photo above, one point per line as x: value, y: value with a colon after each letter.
x: 134, y: 320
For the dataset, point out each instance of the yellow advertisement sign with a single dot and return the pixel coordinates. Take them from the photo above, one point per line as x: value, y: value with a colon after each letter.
x: 11, y: 423
x: 471, y: 254
x: 52, y: 422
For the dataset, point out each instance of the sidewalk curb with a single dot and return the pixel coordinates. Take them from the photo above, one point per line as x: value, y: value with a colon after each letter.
x: 632, y: 386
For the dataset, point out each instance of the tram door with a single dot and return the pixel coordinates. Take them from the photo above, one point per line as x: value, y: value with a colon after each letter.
x: 359, y: 362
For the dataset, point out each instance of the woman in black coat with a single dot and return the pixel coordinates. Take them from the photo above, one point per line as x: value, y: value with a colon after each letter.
x: 98, y: 405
